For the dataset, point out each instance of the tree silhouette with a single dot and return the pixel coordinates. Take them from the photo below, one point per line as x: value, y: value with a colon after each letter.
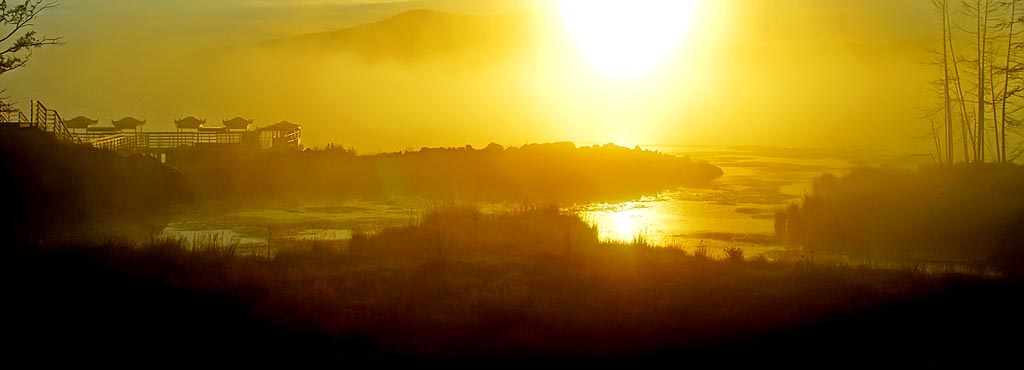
x: 18, y: 38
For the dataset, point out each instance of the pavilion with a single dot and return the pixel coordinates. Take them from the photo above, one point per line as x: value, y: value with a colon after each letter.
x: 238, y: 124
x: 189, y: 123
x: 283, y: 134
x: 80, y: 123
x: 127, y: 123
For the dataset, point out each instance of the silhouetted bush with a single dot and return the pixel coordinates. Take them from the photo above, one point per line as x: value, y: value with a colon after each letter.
x: 1008, y: 254
x: 701, y: 252
x: 962, y: 212
x: 734, y: 254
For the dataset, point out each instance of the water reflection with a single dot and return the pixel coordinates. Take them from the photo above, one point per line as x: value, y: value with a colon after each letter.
x: 620, y: 222
x: 320, y: 222
x: 736, y: 211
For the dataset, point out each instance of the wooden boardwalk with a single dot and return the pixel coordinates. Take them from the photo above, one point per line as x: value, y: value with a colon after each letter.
x: 129, y: 142
x: 156, y: 142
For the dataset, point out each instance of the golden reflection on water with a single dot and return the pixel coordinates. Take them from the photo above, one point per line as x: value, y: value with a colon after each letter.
x: 622, y: 222
x: 624, y: 225
x: 649, y: 218
x: 679, y: 219
x: 736, y: 211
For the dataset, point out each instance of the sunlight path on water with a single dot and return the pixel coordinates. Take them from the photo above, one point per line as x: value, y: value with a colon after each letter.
x: 734, y: 211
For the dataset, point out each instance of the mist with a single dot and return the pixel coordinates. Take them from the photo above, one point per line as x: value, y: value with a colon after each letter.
x: 522, y: 83
x: 461, y: 183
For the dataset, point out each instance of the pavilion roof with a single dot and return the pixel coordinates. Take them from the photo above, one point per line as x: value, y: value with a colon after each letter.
x: 189, y: 122
x: 283, y: 126
x: 128, y: 123
x: 80, y: 122
x: 238, y: 123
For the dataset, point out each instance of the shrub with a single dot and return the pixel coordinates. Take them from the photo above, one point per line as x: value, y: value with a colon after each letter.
x: 701, y: 252
x: 734, y: 254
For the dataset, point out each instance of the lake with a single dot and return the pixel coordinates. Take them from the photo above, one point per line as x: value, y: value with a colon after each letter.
x: 736, y: 210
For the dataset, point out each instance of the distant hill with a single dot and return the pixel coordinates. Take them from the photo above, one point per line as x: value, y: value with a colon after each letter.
x: 422, y: 34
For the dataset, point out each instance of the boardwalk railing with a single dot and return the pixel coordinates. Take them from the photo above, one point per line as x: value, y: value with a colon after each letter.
x: 12, y: 116
x: 129, y: 142
x: 50, y: 121
x: 119, y: 143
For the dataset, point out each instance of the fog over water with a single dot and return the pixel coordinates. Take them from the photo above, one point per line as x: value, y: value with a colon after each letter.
x: 735, y: 210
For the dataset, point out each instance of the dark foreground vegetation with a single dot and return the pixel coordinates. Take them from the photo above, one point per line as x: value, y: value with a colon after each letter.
x: 56, y: 191
x: 963, y: 212
x: 465, y: 288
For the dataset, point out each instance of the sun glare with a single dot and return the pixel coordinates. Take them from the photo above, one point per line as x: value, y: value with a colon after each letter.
x: 627, y: 37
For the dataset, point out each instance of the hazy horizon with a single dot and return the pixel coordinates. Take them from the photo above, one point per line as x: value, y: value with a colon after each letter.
x: 162, y: 61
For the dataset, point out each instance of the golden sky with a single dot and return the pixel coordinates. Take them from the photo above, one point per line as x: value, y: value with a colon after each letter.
x: 762, y: 72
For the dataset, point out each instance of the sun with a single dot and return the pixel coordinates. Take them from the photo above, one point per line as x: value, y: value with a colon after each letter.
x: 627, y: 37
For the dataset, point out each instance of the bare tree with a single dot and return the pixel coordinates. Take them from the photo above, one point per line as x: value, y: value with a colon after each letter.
x: 942, y: 6
x: 990, y: 58
x: 966, y: 134
x: 954, y: 106
x: 981, y: 11
x: 1011, y: 70
x: 992, y: 81
x: 1004, y: 78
